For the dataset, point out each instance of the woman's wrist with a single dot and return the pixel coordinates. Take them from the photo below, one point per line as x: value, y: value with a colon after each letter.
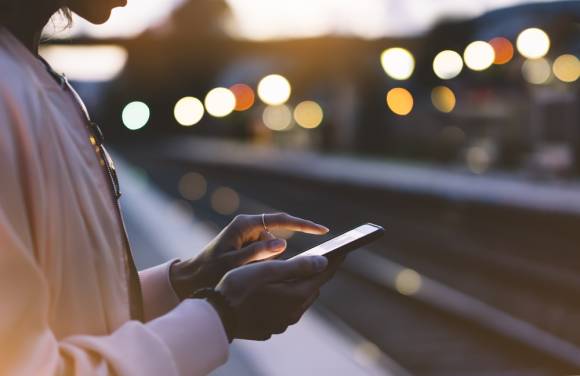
x: 183, y: 278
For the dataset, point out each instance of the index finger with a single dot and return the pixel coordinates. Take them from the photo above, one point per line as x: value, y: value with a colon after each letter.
x: 289, y: 222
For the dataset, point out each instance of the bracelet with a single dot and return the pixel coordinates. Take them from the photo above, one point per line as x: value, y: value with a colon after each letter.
x: 222, y: 307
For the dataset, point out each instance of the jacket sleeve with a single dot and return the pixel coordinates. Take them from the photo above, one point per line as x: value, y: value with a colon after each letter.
x: 188, y: 340
x: 158, y: 294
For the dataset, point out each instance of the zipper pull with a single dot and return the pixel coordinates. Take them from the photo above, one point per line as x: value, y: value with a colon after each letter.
x: 97, y: 133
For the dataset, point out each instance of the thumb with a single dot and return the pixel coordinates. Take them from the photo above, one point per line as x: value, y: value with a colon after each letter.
x: 298, y: 268
x: 238, y: 283
x: 256, y: 251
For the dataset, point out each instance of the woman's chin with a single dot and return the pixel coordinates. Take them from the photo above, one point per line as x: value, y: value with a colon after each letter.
x: 97, y: 19
x: 102, y: 16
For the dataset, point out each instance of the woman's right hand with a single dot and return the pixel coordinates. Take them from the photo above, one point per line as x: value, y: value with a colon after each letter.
x: 245, y: 240
x: 268, y: 297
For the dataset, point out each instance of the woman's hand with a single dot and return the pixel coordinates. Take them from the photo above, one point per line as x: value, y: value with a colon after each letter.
x: 270, y: 296
x: 243, y: 241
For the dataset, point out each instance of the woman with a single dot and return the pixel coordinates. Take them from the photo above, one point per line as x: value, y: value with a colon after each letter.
x: 72, y: 301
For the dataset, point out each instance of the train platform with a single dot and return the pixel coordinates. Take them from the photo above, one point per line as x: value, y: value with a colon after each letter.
x: 452, y: 184
x: 310, y: 184
x: 318, y: 345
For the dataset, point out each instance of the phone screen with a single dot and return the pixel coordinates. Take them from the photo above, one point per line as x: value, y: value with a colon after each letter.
x: 342, y: 240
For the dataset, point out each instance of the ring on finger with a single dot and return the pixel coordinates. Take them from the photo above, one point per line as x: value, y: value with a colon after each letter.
x: 264, y: 223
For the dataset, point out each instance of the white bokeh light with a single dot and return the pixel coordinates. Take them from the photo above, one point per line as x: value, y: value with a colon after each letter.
x: 220, y: 102
x: 188, y: 111
x: 537, y: 71
x: 277, y: 118
x: 447, y: 64
x: 136, y: 115
x: 398, y: 63
x: 479, y: 56
x: 533, y: 43
x: 274, y: 90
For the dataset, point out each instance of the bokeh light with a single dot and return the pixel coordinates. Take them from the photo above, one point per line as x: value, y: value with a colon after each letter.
x: 308, y: 114
x: 567, y: 68
x: 447, y: 64
x: 398, y: 63
x: 192, y: 186
x: 504, y: 50
x: 368, y: 354
x: 400, y: 101
x: 533, y: 43
x: 225, y: 201
x: 479, y: 56
x: 408, y: 282
x: 537, y: 71
x: 274, y: 90
x: 220, y: 102
x: 188, y: 111
x: 277, y: 118
x: 136, y: 115
x: 443, y: 99
x: 478, y: 159
x: 245, y: 97
x: 86, y: 63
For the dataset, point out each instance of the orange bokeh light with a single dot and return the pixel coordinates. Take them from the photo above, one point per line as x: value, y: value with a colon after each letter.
x: 400, y: 101
x: 245, y: 96
x: 504, y: 50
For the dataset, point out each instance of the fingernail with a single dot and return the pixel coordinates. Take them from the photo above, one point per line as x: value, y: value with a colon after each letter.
x: 321, y: 226
x: 277, y: 244
x: 320, y: 263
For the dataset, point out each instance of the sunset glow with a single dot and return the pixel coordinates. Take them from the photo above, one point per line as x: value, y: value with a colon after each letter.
x: 274, y: 19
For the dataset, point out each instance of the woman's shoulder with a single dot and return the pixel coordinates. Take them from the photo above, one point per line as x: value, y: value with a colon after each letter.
x: 13, y: 74
x: 19, y: 76
x: 21, y: 98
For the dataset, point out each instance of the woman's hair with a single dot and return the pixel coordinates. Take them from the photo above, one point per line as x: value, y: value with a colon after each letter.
x: 67, y: 15
x: 7, y: 7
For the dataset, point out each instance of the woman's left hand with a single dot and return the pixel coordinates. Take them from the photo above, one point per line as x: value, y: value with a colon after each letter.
x: 246, y: 239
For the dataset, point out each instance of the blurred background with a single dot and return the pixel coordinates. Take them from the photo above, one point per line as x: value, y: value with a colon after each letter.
x: 453, y: 124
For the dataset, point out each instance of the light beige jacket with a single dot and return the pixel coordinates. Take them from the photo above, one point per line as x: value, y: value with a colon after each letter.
x: 63, y: 281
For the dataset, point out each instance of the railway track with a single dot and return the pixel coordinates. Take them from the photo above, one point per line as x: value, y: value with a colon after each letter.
x: 514, y: 276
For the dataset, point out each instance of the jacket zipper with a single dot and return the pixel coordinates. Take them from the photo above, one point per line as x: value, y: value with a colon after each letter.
x: 135, y: 293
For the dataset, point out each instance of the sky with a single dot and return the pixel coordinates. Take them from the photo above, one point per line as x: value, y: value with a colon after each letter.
x: 275, y: 19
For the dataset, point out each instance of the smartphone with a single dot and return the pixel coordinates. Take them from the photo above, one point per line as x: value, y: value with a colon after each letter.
x: 347, y: 242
